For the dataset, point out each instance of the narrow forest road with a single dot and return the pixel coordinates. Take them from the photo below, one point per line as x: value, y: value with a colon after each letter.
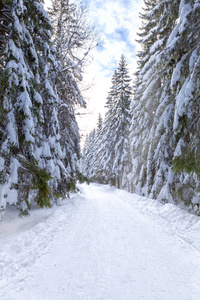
x: 104, y: 249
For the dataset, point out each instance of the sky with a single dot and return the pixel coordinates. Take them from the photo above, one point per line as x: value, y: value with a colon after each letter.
x: 117, y: 23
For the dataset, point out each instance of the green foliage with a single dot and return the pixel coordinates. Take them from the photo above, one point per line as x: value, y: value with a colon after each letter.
x: 183, y: 127
x: 71, y: 186
x: 2, y: 180
x: 57, y: 195
x: 3, y: 86
x: 30, y: 114
x: 81, y: 178
x: 189, y: 162
x: 14, y: 150
x: 7, y: 1
x: 185, y: 193
x: 24, y: 213
x: 40, y: 182
x: 40, y: 178
x: 3, y: 82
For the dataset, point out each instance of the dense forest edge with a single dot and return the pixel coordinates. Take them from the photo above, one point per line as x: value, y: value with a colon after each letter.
x: 42, y: 55
x: 149, y: 141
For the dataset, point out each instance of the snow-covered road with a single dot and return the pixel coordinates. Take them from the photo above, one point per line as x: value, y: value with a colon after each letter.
x: 104, y: 244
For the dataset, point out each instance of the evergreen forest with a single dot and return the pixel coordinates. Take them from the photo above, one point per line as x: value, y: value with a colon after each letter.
x: 148, y: 142
x: 41, y: 62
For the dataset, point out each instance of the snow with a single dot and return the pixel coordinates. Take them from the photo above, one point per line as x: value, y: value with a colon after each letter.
x: 50, y: 90
x: 103, y: 243
x: 156, y: 46
x: 173, y: 37
x: 38, y: 98
x: 16, y: 52
x: 193, y: 59
x: 46, y: 152
x: 176, y: 76
x: 13, y: 179
x: 11, y: 128
x: 181, y: 104
x: 185, y: 9
x: 1, y: 163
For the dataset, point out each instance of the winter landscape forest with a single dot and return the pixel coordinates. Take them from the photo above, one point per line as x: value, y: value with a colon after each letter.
x: 99, y: 236
x: 40, y: 70
x: 148, y: 142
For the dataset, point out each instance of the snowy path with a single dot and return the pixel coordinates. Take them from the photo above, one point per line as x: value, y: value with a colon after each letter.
x: 99, y: 248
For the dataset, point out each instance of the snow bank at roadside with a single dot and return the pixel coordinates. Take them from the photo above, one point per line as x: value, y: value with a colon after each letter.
x: 172, y: 218
x: 24, y: 240
x: 178, y: 221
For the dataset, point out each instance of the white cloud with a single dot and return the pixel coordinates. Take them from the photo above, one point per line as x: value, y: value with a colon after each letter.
x: 109, y: 17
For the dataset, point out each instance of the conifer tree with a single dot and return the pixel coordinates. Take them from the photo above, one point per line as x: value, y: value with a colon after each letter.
x: 21, y: 106
x: 88, y: 155
x: 165, y: 106
x: 153, y: 105
x: 72, y: 37
x: 115, y: 148
x: 97, y: 167
x: 32, y: 158
x: 107, y: 146
x: 185, y: 50
x: 91, y: 154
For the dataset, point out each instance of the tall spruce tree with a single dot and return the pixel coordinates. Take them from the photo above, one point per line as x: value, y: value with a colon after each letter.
x: 97, y: 150
x: 73, y: 39
x: 165, y: 107
x: 185, y: 50
x: 153, y: 105
x: 88, y: 156
x: 91, y: 154
x: 115, y: 146
x: 107, y: 145
x: 25, y: 149
x: 33, y: 162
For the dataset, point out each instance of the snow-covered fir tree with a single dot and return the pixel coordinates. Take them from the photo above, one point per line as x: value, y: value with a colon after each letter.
x: 88, y: 156
x: 91, y: 154
x: 121, y: 124
x: 110, y: 148
x: 107, y: 145
x: 34, y: 163
x: 165, y: 114
x: 97, y: 166
x: 185, y: 50
x: 73, y: 39
x: 153, y: 105
x: 29, y: 110
x: 68, y: 38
